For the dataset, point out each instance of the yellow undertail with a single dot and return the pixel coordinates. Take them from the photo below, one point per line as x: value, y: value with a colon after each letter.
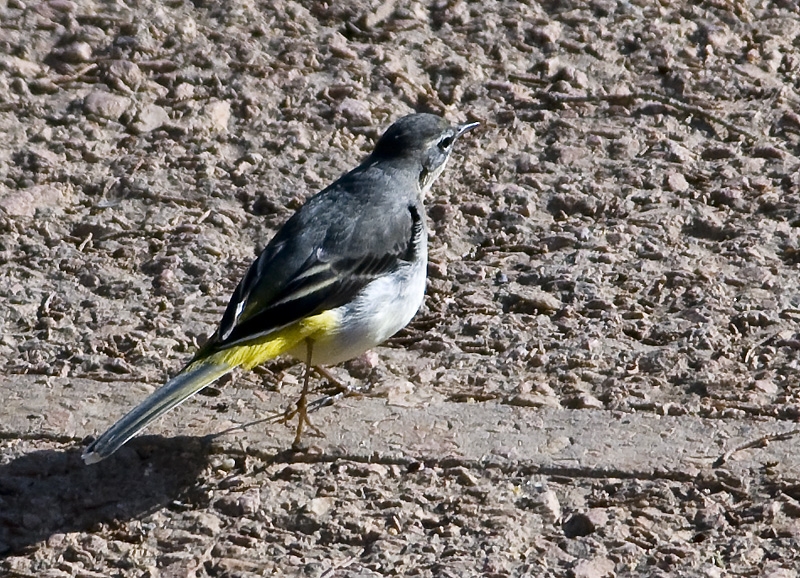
x: 256, y: 352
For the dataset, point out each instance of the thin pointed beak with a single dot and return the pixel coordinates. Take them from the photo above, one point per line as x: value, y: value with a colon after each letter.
x: 462, y: 128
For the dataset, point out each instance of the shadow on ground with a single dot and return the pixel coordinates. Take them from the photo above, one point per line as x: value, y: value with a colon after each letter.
x: 48, y: 492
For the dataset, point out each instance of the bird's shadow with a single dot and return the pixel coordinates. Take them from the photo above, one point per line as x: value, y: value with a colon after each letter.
x: 50, y: 491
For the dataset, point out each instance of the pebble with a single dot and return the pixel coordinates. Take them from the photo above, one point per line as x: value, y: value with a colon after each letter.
x: 105, y: 104
x: 149, y: 119
x: 550, y: 506
x: 549, y: 33
x: 585, y: 523
x: 532, y: 301
x: 74, y: 53
x: 714, y: 153
x: 475, y: 209
x: 184, y: 91
x: 20, y: 67
x: 126, y: 73
x: 355, y: 111
x: 766, y: 385
x: 534, y: 400
x: 217, y: 115
x: 245, y: 504
x: 768, y: 152
x: 527, y: 163
x: 319, y: 506
x: 595, y: 568
x: 676, y: 182
x: 366, y: 470
x: 25, y: 202
x: 204, y: 523
x: 711, y: 517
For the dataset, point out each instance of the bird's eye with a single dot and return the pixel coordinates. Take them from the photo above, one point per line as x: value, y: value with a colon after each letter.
x: 446, y: 143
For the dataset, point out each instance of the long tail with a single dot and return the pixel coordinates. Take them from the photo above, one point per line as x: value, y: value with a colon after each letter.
x: 207, y: 366
x: 177, y: 390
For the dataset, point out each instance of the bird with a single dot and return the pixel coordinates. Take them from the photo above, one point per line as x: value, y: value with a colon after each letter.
x: 343, y: 274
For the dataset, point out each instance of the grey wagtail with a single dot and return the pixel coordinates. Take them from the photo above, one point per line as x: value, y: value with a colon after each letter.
x: 344, y: 273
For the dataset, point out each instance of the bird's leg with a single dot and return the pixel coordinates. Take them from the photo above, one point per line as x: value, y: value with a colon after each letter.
x: 302, y: 403
x: 335, y: 385
x: 337, y: 389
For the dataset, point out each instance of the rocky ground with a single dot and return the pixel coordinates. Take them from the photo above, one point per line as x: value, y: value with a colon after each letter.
x: 603, y: 380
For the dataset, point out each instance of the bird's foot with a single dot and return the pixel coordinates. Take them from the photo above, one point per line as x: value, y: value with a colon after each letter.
x: 300, y: 411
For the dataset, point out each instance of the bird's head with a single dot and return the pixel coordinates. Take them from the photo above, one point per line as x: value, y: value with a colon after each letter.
x: 426, y: 140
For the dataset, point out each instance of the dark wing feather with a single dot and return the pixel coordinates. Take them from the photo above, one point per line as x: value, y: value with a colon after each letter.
x: 308, y: 268
x: 326, y: 289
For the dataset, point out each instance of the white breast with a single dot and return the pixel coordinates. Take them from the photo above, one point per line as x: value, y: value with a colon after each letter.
x: 380, y: 310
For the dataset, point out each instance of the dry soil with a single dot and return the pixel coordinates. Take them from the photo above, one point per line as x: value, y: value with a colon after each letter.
x: 603, y: 380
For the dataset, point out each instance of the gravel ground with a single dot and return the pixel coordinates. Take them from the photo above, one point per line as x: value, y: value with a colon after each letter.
x: 612, y: 303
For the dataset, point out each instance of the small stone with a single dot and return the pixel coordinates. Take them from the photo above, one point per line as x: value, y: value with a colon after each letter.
x: 57, y: 540
x: 17, y: 564
x: 533, y: 400
x: 527, y: 163
x: 584, y: 234
x: 439, y: 212
x: 768, y: 152
x: 337, y: 44
x: 240, y: 505
x: 20, y: 67
x: 437, y: 270
x: 714, y: 153
x: 571, y: 76
x: 531, y: 301
x: 780, y: 573
x: 362, y: 366
x: 465, y: 477
x: 475, y: 209
x: 227, y: 464
x: 43, y: 86
x: 205, y: 523
x: 218, y: 114
x: 583, y: 524
x: 25, y: 202
x: 537, y: 360
x: 74, y: 53
x: 598, y: 516
x: 149, y: 119
x: 565, y: 155
x: 250, y: 501
x: 184, y: 91
x: 105, y: 105
x: 676, y: 182
x: 710, y: 518
x: 550, y: 506
x: 64, y: 6
x: 766, y: 385
x: 594, y: 568
x: 549, y: 33
x: 588, y: 401
x: 319, y: 506
x: 181, y: 569
x: 118, y: 365
x: 126, y: 73
x: 789, y: 119
x: 575, y: 204
x: 355, y: 111
x: 367, y: 470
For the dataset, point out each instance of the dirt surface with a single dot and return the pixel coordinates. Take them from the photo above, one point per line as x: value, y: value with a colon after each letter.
x: 612, y: 308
